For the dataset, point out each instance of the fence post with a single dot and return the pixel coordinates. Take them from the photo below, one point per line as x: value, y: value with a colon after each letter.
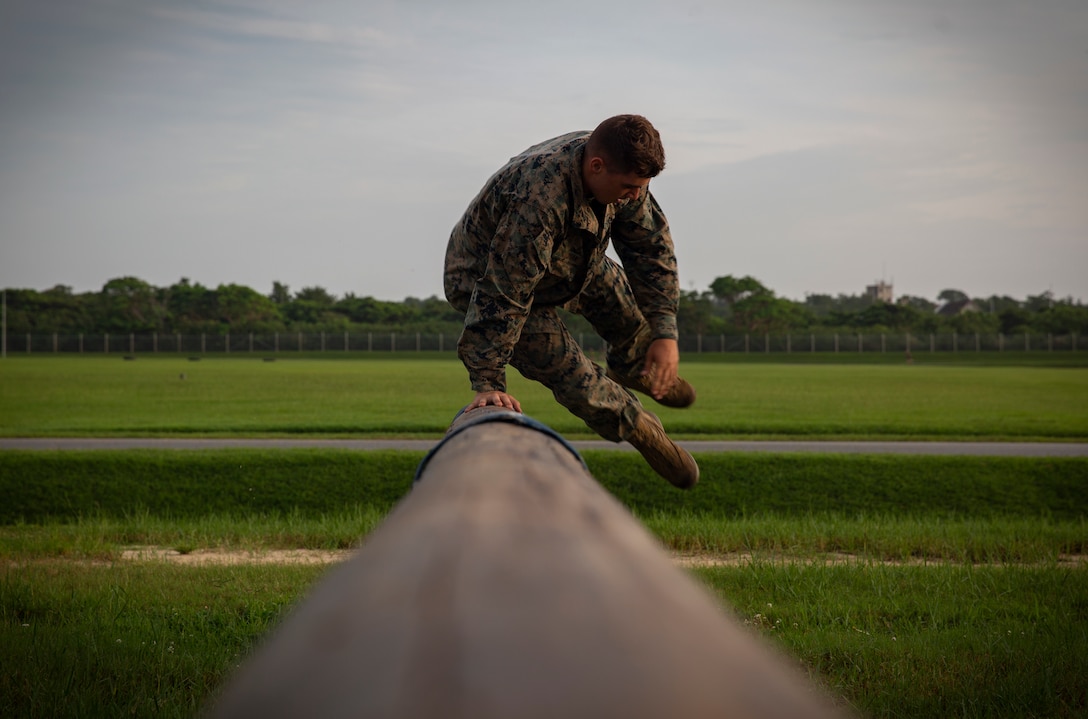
x: 300, y: 341
x: 509, y: 583
x: 345, y: 340
x: 155, y: 342
x: 81, y: 343
x: 418, y: 343
x: 836, y: 343
x: 392, y: 341
x: 812, y: 342
x: 721, y: 342
x: 369, y: 341
x: 860, y: 342
x: 789, y: 348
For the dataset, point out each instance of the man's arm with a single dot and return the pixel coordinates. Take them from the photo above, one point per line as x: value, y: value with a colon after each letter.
x: 641, y: 238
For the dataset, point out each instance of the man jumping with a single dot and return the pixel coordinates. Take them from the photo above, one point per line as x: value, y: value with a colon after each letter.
x: 532, y: 241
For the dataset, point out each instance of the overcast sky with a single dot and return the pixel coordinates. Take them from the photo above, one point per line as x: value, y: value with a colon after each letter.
x: 817, y: 145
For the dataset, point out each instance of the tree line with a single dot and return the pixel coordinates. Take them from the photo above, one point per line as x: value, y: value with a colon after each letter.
x: 731, y: 305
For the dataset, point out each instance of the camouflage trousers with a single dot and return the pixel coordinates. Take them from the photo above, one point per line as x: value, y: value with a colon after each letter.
x: 547, y: 353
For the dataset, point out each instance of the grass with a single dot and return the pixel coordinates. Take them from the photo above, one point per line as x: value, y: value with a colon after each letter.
x: 67, y: 486
x: 132, y: 640
x: 147, y: 639
x: 943, y: 641
x: 95, y: 396
x: 911, y: 586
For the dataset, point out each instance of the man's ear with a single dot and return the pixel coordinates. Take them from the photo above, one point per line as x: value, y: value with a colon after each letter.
x: 596, y: 165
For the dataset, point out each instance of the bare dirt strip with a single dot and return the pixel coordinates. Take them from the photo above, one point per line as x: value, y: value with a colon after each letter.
x: 204, y: 557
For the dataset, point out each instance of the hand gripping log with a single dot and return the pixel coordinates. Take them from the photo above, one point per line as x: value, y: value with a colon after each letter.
x: 509, y: 584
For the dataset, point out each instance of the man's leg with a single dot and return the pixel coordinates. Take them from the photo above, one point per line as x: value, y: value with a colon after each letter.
x: 548, y: 354
x: 609, y: 305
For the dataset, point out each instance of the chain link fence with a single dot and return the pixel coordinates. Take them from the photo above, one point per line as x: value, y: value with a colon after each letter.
x: 331, y: 342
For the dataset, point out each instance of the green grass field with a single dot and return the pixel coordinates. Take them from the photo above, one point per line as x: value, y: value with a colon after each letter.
x: 404, y: 397
x: 910, y: 586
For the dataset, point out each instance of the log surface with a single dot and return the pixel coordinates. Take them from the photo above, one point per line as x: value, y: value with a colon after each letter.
x: 508, y: 583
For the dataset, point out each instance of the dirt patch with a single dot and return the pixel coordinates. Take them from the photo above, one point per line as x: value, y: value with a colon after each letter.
x: 683, y: 559
x: 739, y: 559
x: 228, y: 557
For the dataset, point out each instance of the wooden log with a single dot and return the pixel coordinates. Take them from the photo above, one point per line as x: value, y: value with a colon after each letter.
x: 508, y: 583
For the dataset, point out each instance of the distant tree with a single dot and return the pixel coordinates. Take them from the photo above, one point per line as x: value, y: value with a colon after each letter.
x: 242, y: 309
x: 995, y: 304
x: 1039, y: 302
x: 317, y: 295
x: 952, y: 296
x: 1013, y: 320
x: 730, y: 289
x: 918, y: 303
x: 60, y: 310
x: 128, y: 304
x: 191, y: 307
x: 696, y: 314
x: 1062, y: 318
x: 763, y: 312
x: 281, y: 294
x: 366, y: 310
x: 968, y: 323
x: 834, y: 309
x: 885, y: 316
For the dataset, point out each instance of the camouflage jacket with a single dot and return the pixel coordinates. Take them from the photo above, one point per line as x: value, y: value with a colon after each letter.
x: 531, y: 237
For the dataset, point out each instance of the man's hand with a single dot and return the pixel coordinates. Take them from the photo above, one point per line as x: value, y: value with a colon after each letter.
x: 499, y: 399
x: 662, y: 364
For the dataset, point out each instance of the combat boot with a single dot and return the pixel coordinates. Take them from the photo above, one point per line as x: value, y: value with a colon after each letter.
x: 681, y: 394
x: 666, y: 457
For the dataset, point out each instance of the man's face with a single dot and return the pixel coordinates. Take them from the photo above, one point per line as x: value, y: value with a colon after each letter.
x: 608, y: 187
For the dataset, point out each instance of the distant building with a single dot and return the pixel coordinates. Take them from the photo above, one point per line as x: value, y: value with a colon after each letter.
x: 880, y: 292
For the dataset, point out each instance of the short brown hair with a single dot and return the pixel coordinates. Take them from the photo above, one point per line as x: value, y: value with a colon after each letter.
x: 629, y: 144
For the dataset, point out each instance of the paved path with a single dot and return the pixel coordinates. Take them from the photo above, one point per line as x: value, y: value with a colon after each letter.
x: 988, y: 449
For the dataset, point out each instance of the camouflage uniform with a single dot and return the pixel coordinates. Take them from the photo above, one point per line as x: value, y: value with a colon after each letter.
x: 532, y: 241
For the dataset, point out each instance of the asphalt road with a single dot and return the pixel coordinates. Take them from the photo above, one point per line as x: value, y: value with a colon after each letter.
x: 978, y: 449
